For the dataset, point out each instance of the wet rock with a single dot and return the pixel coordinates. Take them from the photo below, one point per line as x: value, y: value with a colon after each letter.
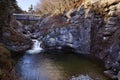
x: 111, y: 22
x: 66, y: 37
x: 110, y: 74
x: 81, y: 77
x: 76, y: 37
x: 118, y: 75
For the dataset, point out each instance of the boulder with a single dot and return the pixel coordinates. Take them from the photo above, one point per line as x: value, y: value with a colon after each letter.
x: 81, y: 77
x: 15, y: 41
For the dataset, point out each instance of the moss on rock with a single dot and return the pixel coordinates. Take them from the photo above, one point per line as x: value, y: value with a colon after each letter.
x: 6, y: 62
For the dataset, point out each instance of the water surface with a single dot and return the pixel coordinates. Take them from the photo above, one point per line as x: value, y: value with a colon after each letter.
x: 57, y: 66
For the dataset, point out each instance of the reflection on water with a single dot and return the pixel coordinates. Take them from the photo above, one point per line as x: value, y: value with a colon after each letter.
x: 57, y: 67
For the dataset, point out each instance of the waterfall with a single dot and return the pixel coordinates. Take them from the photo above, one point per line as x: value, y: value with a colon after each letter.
x: 36, y: 44
x: 36, y: 47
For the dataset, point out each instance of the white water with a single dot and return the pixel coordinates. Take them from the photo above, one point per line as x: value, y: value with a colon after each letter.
x: 36, y: 47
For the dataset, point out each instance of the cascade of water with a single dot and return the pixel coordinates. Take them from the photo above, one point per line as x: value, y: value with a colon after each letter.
x: 36, y: 44
x: 36, y: 47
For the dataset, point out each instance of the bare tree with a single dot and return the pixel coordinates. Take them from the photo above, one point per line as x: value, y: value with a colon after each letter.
x: 53, y: 6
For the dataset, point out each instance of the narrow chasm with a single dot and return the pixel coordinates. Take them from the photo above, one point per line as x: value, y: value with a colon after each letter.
x: 60, y: 40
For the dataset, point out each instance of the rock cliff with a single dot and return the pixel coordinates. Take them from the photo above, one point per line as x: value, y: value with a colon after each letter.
x: 93, y: 28
x: 10, y: 29
x: 13, y: 38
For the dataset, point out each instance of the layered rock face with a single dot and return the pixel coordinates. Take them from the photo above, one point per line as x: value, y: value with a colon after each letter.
x: 105, y: 36
x: 92, y: 28
x: 13, y: 38
x: 76, y: 37
x: 10, y: 29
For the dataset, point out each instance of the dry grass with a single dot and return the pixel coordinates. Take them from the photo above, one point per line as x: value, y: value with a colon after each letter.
x: 56, y: 6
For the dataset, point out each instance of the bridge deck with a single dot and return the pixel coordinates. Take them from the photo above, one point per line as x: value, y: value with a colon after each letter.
x: 30, y: 17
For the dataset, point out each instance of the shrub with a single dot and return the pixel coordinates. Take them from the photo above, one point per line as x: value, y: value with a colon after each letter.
x: 55, y: 6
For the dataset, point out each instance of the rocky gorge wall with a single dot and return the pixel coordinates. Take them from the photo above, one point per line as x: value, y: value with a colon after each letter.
x: 11, y: 39
x: 105, y: 36
x: 10, y: 29
x: 92, y: 28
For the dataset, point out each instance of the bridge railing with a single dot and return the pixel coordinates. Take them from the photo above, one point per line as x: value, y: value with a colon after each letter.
x: 31, y: 17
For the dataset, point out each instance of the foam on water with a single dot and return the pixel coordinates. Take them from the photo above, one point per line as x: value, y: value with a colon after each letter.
x: 36, y: 47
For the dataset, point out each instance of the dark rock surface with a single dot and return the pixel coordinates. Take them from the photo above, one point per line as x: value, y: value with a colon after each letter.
x: 82, y: 77
x: 71, y: 37
x: 15, y: 41
x: 93, y: 28
x: 13, y: 38
x: 10, y: 38
x: 6, y: 63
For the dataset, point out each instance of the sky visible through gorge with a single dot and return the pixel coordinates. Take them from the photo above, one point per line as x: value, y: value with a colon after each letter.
x: 25, y: 4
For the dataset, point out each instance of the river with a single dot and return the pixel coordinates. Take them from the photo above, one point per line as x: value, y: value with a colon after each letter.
x: 37, y: 65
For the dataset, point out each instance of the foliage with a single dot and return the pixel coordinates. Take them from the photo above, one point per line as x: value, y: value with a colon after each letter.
x: 55, y: 6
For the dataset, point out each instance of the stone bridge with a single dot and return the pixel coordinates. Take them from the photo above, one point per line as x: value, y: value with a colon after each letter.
x: 28, y: 17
